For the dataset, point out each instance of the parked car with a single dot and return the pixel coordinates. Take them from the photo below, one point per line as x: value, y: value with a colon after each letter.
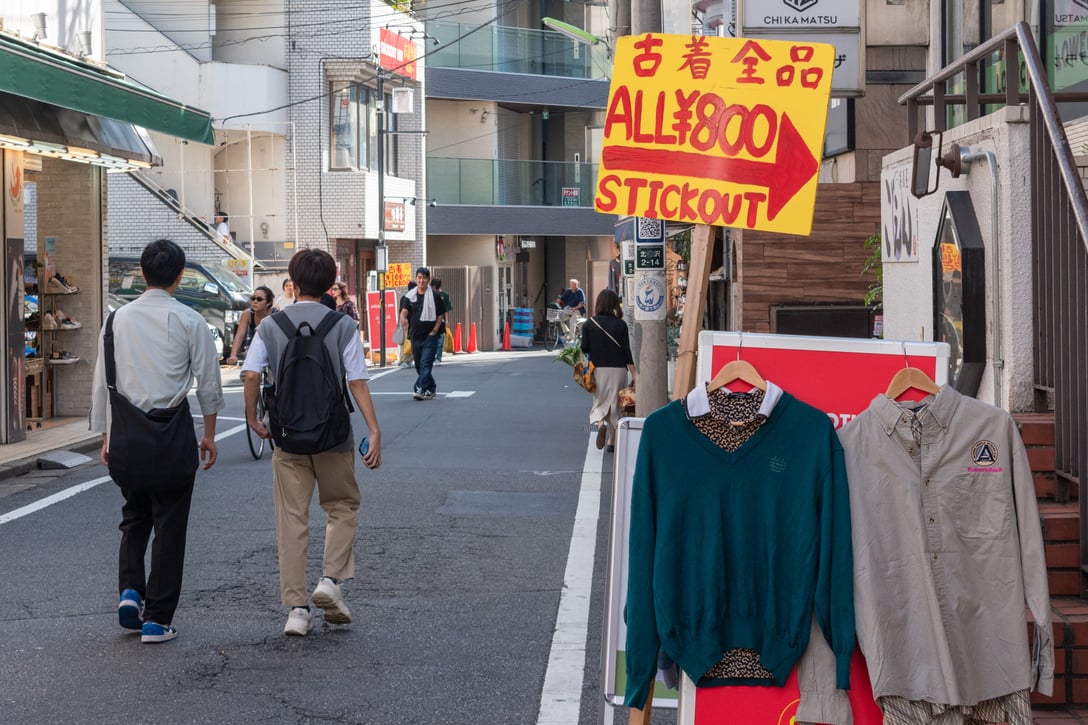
x: 210, y: 289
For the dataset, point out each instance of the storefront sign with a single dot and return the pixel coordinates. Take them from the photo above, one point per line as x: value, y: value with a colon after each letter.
x: 397, y: 53
x: 719, y: 131
x: 798, y: 14
x: 572, y: 196
x: 1070, y: 12
x: 395, y: 218
x: 373, y: 319
x: 240, y: 267
x: 399, y: 275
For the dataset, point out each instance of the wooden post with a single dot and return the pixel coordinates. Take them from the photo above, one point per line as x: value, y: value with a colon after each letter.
x: 702, y: 254
x: 642, y: 717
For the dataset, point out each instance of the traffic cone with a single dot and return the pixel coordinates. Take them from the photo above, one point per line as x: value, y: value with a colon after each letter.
x: 457, y: 339
x: 506, y: 337
x: 472, y: 339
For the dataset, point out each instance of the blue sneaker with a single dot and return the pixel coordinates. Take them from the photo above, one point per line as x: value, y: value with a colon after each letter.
x: 153, y: 633
x: 130, y: 611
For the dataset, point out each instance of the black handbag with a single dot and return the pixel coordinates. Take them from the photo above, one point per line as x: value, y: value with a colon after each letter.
x: 148, y: 451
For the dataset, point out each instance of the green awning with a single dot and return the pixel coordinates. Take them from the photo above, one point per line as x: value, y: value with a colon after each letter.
x: 50, y: 77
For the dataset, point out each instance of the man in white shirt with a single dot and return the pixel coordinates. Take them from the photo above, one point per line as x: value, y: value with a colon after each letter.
x: 159, y: 346
x: 332, y: 470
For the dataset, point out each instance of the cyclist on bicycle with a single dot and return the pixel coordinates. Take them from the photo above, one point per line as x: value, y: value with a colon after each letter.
x: 573, y: 298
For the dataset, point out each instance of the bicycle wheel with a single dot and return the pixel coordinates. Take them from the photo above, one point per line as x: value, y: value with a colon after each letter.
x: 551, y: 335
x: 256, y: 443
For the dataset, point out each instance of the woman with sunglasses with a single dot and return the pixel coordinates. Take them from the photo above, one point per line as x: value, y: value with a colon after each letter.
x: 260, y: 307
x: 343, y: 302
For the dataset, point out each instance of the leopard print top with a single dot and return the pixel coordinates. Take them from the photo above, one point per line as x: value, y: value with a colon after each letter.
x: 733, y: 418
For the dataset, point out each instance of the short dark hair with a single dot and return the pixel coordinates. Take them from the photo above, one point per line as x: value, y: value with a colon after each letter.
x: 162, y: 262
x: 608, y: 303
x: 424, y: 271
x: 312, y: 270
x: 436, y: 283
x: 267, y: 291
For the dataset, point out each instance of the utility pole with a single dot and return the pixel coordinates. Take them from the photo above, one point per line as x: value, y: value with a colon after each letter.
x: 381, y: 254
x: 653, y: 382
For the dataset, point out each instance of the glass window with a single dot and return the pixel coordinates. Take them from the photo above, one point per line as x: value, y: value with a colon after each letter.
x: 347, y: 122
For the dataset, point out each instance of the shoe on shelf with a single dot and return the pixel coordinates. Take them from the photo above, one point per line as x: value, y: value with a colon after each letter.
x: 32, y: 320
x: 130, y: 610
x: 327, y: 595
x: 299, y: 622
x: 602, y: 433
x: 153, y: 633
x: 62, y: 358
x: 55, y: 287
x: 49, y: 322
x: 72, y: 289
x: 70, y: 324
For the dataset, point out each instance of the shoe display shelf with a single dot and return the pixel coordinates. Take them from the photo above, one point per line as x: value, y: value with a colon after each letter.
x: 43, y: 356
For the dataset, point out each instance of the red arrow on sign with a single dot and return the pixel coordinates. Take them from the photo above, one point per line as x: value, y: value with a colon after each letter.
x: 792, y: 168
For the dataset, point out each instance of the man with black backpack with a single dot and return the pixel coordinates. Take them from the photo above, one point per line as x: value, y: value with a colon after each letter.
x: 311, y: 351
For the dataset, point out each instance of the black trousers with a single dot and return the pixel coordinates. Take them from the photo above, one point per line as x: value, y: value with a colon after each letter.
x: 167, y: 514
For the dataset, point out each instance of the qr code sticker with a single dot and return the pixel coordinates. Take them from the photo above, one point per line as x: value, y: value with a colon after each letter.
x: 649, y: 228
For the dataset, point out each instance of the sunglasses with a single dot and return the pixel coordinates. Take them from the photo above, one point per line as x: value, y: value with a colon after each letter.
x: 258, y: 299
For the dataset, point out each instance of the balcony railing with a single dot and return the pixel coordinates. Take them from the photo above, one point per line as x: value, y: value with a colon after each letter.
x: 510, y: 183
x: 515, y: 50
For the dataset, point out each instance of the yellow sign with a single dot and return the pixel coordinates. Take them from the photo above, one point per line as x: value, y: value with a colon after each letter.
x: 240, y: 267
x: 720, y: 131
x: 399, y: 275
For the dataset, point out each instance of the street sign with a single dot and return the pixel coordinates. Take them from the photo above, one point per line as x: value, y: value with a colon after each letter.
x: 650, y: 257
x: 718, y: 131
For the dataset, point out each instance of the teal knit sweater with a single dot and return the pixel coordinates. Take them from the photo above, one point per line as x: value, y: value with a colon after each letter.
x: 733, y: 550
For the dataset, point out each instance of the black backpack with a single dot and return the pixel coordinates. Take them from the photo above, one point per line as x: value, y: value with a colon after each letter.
x: 308, y: 407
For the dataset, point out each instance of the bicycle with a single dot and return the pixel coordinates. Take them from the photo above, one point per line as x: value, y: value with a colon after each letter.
x: 563, y: 325
x: 256, y: 443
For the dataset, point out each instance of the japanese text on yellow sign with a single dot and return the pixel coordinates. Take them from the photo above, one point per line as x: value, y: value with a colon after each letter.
x: 398, y: 275
x: 721, y: 131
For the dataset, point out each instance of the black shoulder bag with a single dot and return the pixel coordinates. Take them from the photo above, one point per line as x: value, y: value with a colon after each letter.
x: 152, y: 451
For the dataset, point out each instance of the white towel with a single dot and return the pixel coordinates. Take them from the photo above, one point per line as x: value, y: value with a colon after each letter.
x: 428, y: 314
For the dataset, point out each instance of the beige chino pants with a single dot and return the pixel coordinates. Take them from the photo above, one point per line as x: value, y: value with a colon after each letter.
x: 293, y: 480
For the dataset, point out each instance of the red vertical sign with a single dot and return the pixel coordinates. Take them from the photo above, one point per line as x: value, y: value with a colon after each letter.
x: 373, y: 318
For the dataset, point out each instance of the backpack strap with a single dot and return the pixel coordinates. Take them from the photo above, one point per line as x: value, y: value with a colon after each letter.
x: 327, y: 323
x: 107, y: 346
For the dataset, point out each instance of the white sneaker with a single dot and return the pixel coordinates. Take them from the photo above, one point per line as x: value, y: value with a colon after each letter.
x: 299, y: 622
x: 327, y: 596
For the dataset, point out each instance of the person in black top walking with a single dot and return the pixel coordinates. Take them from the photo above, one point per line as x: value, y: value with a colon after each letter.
x: 606, y: 342
x: 421, y: 314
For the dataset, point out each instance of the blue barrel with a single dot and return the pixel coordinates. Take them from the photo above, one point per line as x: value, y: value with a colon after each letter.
x: 523, y: 321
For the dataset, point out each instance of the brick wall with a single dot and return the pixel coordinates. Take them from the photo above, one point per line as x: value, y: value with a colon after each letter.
x: 334, y: 205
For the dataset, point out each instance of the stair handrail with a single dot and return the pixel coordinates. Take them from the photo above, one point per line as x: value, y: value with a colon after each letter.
x: 192, y: 219
x: 1018, y: 35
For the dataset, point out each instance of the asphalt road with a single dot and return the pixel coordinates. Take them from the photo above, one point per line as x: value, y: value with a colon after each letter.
x: 460, y: 562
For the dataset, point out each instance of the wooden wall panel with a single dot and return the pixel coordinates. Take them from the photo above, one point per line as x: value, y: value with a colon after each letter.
x: 825, y: 266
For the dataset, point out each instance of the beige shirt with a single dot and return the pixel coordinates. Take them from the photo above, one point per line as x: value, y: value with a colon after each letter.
x: 159, y: 346
x: 947, y: 551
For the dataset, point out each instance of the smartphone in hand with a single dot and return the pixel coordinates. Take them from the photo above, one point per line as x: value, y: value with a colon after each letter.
x: 364, y: 446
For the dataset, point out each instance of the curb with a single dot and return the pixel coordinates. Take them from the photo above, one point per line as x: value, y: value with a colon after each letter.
x: 22, y: 466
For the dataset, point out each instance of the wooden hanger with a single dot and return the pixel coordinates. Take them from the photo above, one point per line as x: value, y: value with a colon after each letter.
x: 911, y: 378
x: 737, y: 370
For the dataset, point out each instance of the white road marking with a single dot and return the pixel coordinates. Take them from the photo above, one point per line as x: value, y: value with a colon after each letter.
x: 561, y: 697
x: 80, y: 488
